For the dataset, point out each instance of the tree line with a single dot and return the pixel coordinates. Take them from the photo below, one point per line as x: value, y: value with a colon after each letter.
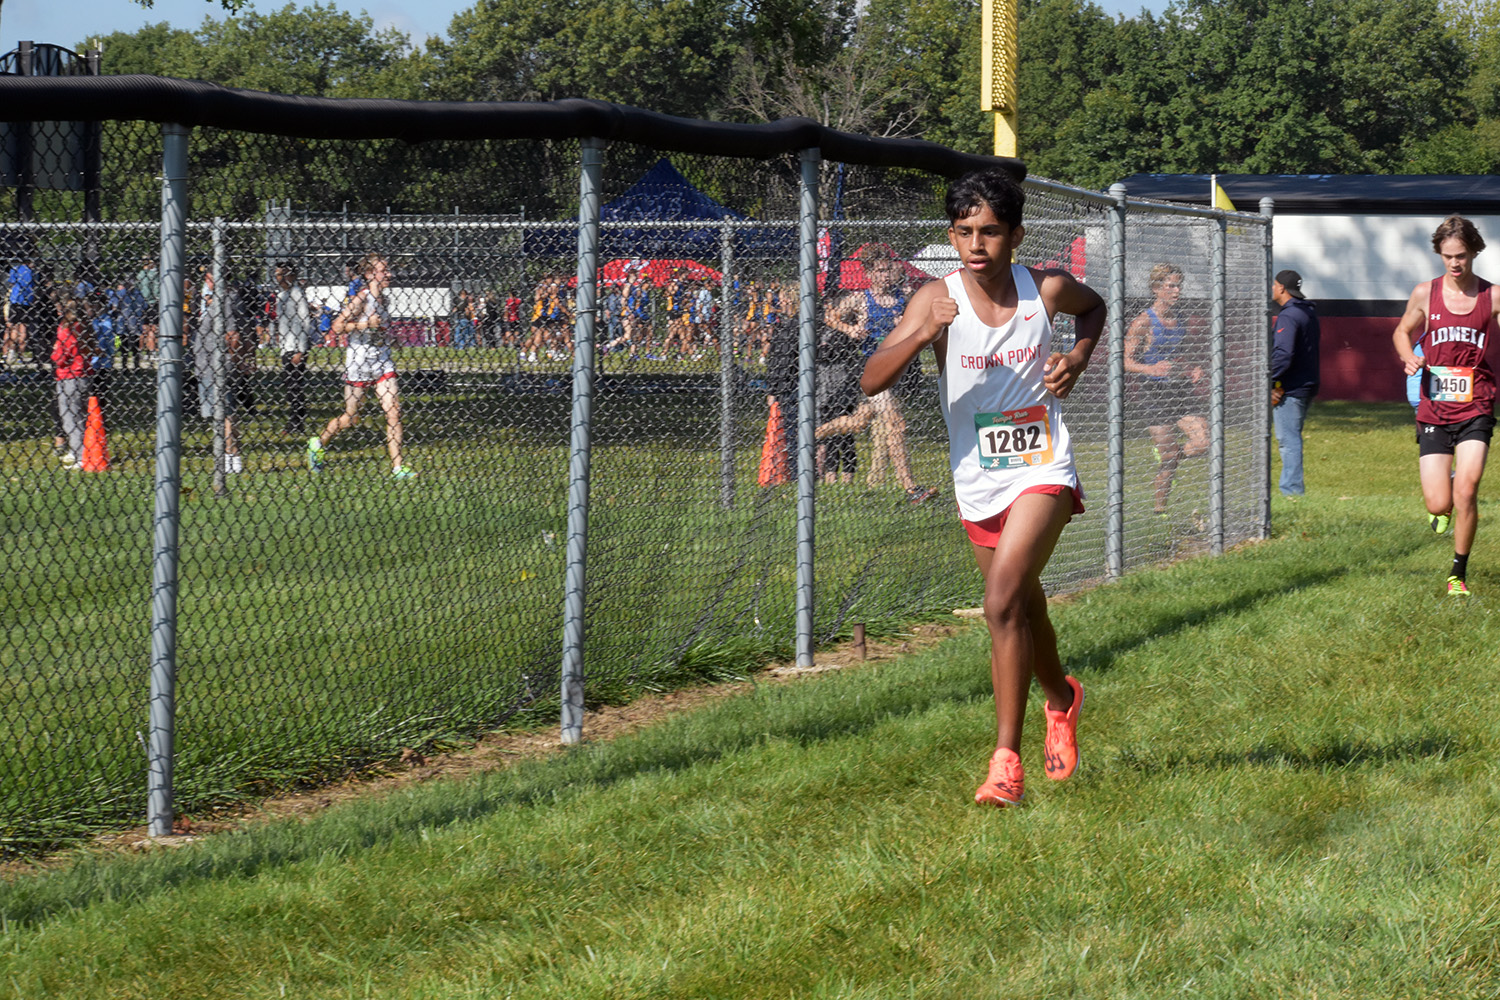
x: 1227, y: 86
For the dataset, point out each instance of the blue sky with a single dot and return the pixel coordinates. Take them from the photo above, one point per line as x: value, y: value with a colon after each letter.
x: 70, y: 22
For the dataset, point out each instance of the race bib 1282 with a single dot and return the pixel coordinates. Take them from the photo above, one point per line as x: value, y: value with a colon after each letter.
x: 1014, y: 439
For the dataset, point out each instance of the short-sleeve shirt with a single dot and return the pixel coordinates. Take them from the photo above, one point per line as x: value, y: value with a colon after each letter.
x: 22, y: 285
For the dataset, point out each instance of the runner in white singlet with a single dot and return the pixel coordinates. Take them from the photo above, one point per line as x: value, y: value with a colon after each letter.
x: 1005, y: 430
x: 367, y: 359
x: 365, y: 321
x: 990, y: 328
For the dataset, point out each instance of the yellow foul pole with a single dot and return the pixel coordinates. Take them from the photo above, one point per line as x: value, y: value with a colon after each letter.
x: 997, y: 76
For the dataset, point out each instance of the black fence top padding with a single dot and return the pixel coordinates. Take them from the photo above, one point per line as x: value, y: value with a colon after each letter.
x: 194, y: 103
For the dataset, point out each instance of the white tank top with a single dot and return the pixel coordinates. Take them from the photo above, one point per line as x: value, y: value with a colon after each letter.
x: 1005, y: 430
x: 372, y: 308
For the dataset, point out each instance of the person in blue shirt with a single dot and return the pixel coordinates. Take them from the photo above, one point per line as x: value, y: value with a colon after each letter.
x: 20, y: 310
x: 875, y: 311
x: 702, y: 320
x: 129, y: 307
x: 325, y: 323
x: 1294, y: 374
x: 1166, y: 380
x: 464, y: 320
x: 355, y: 279
x: 612, y: 306
x: 637, y: 316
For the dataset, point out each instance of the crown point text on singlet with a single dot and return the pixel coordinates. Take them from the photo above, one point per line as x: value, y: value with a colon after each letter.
x: 1000, y: 359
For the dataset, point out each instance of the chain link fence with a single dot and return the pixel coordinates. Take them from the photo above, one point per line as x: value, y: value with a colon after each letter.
x: 399, y: 540
x: 1190, y: 489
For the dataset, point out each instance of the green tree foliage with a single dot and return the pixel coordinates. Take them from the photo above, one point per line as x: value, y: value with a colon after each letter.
x: 146, y: 50
x: 1207, y: 86
x: 931, y: 48
x: 317, y: 51
x: 229, y: 5
x: 804, y: 31
x: 855, y: 89
x: 671, y: 56
x: 1074, y: 106
x: 1253, y: 86
x: 1474, y: 146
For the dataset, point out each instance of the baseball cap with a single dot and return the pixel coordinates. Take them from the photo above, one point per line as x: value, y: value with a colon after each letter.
x: 1291, y: 281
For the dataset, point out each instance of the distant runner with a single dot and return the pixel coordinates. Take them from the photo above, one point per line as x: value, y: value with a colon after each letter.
x: 365, y: 321
x: 1455, y: 317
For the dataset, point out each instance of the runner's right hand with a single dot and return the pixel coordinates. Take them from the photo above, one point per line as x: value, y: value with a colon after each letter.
x: 943, y: 311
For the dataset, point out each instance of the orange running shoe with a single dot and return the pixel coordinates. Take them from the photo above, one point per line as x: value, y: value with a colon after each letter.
x: 1062, y: 736
x: 1006, y: 785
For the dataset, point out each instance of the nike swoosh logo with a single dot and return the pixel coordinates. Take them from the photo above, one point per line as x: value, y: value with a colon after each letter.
x: 1028, y: 318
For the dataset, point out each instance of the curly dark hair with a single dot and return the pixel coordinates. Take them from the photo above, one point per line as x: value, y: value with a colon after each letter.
x: 991, y: 186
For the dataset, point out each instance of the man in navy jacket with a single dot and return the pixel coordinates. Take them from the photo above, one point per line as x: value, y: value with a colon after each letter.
x: 1294, y: 374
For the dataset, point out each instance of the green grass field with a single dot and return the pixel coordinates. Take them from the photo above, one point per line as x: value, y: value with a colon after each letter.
x: 1288, y: 790
x: 327, y: 622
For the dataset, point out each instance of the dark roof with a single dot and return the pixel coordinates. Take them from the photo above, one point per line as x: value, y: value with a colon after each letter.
x: 1332, y: 194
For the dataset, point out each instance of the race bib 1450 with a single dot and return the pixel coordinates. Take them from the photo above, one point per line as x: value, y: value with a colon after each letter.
x: 1450, y: 384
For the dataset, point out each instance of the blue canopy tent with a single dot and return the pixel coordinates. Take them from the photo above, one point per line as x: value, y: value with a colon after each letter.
x: 662, y: 194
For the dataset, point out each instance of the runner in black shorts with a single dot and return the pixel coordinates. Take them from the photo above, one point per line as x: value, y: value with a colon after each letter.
x: 1456, y: 413
x: 1444, y: 439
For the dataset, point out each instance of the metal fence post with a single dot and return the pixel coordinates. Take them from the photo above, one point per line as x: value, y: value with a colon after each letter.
x: 589, y: 186
x: 1218, y: 360
x: 1267, y: 209
x: 216, y: 345
x: 726, y: 364
x: 1114, y: 537
x: 168, y: 482
x: 807, y: 343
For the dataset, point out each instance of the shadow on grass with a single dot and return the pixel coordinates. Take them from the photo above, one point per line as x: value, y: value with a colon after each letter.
x: 811, y: 714
x: 821, y: 711
x: 1201, y: 600
x: 1332, y: 755
x: 1102, y: 655
x: 1344, y: 417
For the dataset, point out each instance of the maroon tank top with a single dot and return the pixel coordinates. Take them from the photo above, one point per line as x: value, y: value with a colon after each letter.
x: 1457, y: 352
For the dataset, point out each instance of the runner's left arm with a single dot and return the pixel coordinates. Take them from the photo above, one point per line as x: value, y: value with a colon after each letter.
x: 1062, y: 293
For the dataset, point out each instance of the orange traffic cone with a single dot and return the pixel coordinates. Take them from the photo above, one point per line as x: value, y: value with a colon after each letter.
x: 95, y: 450
x: 775, y: 468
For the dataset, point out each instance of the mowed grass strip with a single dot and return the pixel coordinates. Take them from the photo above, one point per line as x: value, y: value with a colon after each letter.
x: 326, y: 622
x: 1288, y: 790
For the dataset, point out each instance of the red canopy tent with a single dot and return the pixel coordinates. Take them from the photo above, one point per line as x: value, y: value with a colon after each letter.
x: 658, y: 272
x: 852, y: 274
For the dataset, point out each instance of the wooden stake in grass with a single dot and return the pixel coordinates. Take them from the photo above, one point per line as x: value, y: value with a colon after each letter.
x: 859, y: 641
